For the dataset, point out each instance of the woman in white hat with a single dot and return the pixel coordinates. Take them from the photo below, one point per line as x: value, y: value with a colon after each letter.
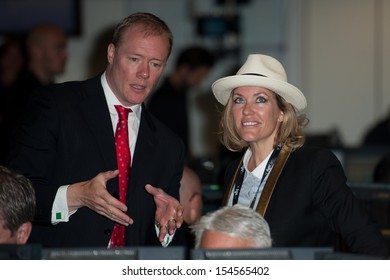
x: 301, y: 191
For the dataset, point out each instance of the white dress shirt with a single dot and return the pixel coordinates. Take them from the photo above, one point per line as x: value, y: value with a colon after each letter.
x: 251, y: 181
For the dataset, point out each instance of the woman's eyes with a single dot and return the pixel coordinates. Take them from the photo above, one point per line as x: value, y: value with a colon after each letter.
x: 240, y: 100
x: 261, y: 99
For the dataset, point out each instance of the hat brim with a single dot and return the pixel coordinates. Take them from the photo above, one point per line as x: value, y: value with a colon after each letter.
x: 223, y: 87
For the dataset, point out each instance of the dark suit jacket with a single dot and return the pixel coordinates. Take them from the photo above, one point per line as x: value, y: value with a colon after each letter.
x: 311, y: 203
x: 67, y: 137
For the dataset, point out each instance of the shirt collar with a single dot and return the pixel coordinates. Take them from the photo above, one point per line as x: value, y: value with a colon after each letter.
x: 112, y: 100
x: 259, y: 170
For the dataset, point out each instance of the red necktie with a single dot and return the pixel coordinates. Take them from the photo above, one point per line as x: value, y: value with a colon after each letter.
x: 124, y: 159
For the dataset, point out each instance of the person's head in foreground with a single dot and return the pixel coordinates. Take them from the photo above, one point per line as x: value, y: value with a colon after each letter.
x: 232, y: 228
x: 17, y: 207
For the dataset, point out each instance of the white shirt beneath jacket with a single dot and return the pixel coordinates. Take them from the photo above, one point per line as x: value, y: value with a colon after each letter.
x: 251, y: 188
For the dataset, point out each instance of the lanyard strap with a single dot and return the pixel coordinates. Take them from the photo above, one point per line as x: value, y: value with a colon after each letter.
x: 272, y: 179
x: 241, y: 175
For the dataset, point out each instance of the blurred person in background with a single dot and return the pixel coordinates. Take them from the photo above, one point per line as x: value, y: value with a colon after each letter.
x: 191, y: 196
x: 169, y: 102
x: 382, y: 170
x: 47, y: 54
x: 379, y: 133
x: 12, y: 59
x: 192, y: 202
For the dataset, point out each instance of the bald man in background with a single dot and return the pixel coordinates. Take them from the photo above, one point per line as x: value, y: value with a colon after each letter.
x: 47, y: 55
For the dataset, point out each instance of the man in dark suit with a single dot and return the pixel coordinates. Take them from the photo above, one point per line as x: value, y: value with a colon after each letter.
x: 66, y: 146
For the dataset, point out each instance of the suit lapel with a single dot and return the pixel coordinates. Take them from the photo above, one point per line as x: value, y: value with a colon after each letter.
x: 145, y: 148
x: 97, y: 117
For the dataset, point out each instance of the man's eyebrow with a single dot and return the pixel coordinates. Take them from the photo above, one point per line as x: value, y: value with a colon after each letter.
x: 193, y: 195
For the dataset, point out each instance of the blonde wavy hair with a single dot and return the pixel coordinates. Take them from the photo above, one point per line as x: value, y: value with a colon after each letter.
x: 290, y: 132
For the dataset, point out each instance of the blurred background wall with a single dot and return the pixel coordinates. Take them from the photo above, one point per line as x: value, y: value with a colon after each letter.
x: 335, y: 51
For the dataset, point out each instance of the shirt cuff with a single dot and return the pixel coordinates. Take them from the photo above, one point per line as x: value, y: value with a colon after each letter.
x: 60, y: 211
x: 167, y: 239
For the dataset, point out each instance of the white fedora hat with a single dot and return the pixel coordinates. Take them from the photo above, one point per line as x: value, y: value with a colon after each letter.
x: 261, y: 71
